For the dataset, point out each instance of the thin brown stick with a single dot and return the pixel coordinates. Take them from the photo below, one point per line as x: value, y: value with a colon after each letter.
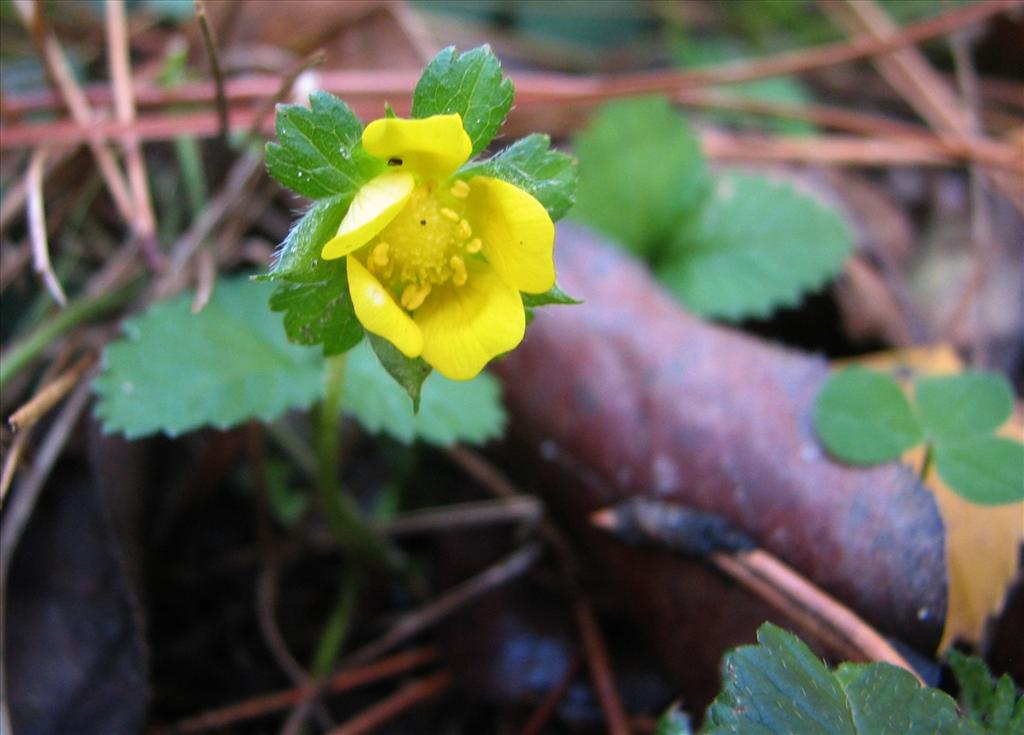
x: 60, y: 73
x: 814, y: 610
x: 144, y: 221
x: 218, y: 77
x: 50, y: 394
x: 14, y: 198
x: 37, y: 227
x: 398, y: 703
x: 459, y: 516
x: 539, y: 718
x: 601, y: 672
x: 11, y: 461
x: 265, y: 704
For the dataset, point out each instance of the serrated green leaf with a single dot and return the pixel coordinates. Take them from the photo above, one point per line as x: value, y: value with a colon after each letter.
x: 318, y: 153
x: 780, y: 687
x: 985, y: 470
x: 470, y: 84
x: 298, y: 257
x: 408, y: 372
x: 319, y: 313
x: 863, y: 417
x: 554, y: 295
x: 958, y: 406
x: 449, y: 412
x: 530, y: 164
x: 995, y: 706
x: 756, y: 245
x: 174, y: 371
x: 642, y: 174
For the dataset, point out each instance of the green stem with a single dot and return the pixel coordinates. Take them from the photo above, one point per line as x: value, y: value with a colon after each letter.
x: 336, y: 629
x: 22, y: 352
x: 344, y: 518
x: 926, y: 463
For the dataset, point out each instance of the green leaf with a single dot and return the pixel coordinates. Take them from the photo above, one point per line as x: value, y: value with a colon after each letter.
x: 958, y: 406
x: 673, y: 722
x: 995, y: 706
x: 174, y: 371
x: 757, y: 245
x: 319, y: 152
x: 319, y: 313
x: 641, y: 174
x: 554, y: 295
x: 298, y: 258
x: 780, y: 687
x: 863, y: 417
x: 530, y: 164
x: 470, y: 84
x: 449, y: 412
x: 985, y: 470
x: 408, y: 372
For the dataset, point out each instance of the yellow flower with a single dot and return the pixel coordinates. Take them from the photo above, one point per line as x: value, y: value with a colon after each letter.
x: 436, y: 264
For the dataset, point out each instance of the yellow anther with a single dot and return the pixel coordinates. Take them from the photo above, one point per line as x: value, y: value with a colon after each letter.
x: 413, y: 296
x: 380, y: 253
x: 474, y: 245
x: 465, y: 230
x: 460, y: 189
x: 459, y: 274
x: 449, y: 214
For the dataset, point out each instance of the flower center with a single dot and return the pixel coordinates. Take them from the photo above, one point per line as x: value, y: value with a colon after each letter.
x: 426, y: 245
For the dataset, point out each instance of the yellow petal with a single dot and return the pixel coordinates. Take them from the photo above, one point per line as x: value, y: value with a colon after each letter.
x: 378, y: 312
x: 518, y: 235
x: 432, y: 147
x: 374, y: 206
x: 464, y: 327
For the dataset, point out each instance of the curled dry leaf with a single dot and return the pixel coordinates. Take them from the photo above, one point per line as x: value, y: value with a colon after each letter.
x: 628, y: 395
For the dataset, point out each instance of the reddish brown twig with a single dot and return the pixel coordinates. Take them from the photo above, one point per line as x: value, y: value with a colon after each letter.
x: 391, y: 707
x: 601, y: 673
x: 268, y: 703
x: 543, y: 713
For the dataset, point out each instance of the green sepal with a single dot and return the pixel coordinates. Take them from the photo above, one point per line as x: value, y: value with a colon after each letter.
x: 554, y: 295
x: 470, y: 84
x: 549, y: 176
x: 408, y: 372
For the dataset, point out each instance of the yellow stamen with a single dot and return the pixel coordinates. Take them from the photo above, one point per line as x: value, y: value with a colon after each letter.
x: 450, y: 214
x: 413, y: 296
x: 475, y: 245
x: 460, y: 189
x: 380, y: 254
x: 465, y: 229
x: 459, y: 274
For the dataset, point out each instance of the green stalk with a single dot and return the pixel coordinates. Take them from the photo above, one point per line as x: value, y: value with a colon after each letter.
x: 336, y: 629
x: 343, y: 517
x: 22, y: 352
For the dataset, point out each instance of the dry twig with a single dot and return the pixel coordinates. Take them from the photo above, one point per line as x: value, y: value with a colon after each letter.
x: 218, y: 78
x: 601, y: 673
x: 37, y: 227
x: 50, y: 394
x: 391, y: 707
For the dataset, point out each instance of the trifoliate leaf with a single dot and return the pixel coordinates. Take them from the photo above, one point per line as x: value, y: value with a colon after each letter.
x: 994, y: 706
x: 957, y: 406
x: 449, y: 412
x: 320, y: 312
x: 985, y: 470
x: 470, y: 84
x: 408, y: 372
x: 174, y: 371
x: 298, y: 258
x: 756, y: 245
x: 780, y: 687
x: 530, y: 164
x: 863, y: 417
x: 642, y: 174
x: 318, y: 153
x: 554, y: 295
